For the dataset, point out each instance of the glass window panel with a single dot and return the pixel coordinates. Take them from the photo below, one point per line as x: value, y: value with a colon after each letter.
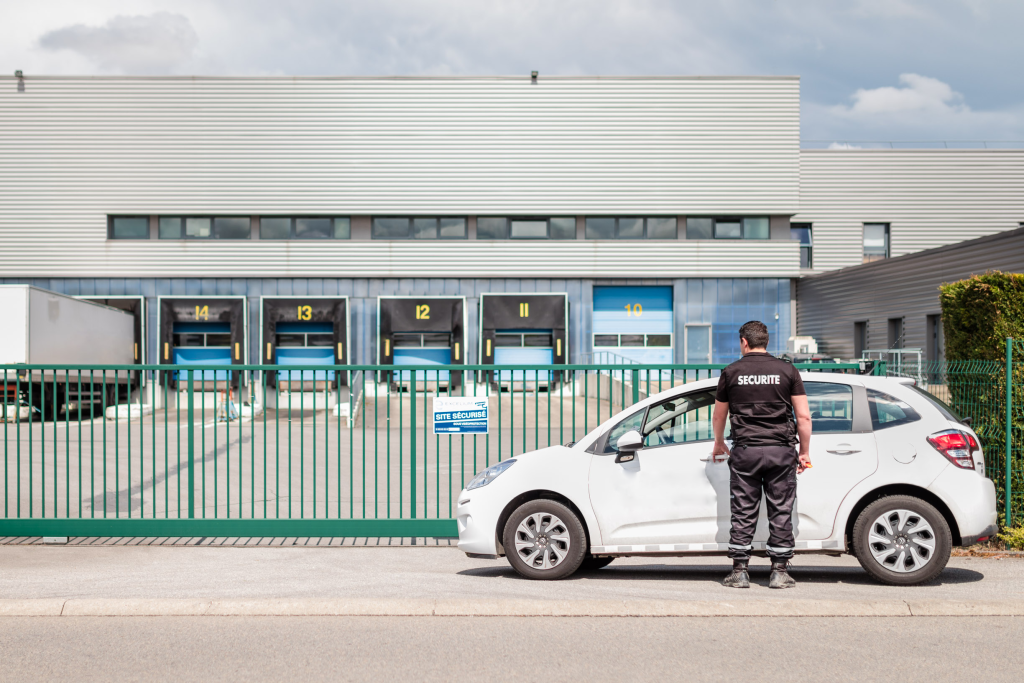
x: 756, y: 228
x: 661, y: 228
x: 542, y: 340
x: 390, y: 228
x: 291, y: 340
x: 218, y: 340
x: 632, y: 340
x: 491, y: 229
x: 805, y: 257
x: 313, y: 228
x: 800, y: 233
x: 342, y: 228
x: 606, y: 340
x: 528, y: 229
x: 633, y: 422
x: 631, y: 228
x: 275, y: 228
x: 197, y: 227
x: 685, y: 419
x: 453, y: 228
x: 437, y: 340
x: 831, y: 407
x: 424, y: 228
x: 188, y: 340
x: 407, y: 340
x: 876, y: 241
x: 698, y: 344
x: 600, y: 228
x: 232, y: 228
x: 170, y: 228
x: 700, y: 228
x: 659, y: 340
x: 508, y: 340
x: 134, y: 228
x: 728, y: 230
x: 319, y: 340
x: 889, y: 411
x: 562, y: 228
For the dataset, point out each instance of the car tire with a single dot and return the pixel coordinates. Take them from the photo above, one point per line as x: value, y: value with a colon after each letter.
x: 902, y: 541
x: 592, y: 563
x: 544, y: 540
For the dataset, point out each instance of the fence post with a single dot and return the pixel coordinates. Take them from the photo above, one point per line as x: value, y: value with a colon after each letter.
x: 191, y: 450
x: 636, y: 387
x: 412, y: 440
x: 1008, y: 488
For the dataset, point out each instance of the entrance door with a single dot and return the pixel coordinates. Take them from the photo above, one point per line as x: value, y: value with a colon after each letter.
x: 671, y: 492
x: 843, y: 454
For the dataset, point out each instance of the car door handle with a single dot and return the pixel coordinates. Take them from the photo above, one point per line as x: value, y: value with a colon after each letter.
x: 711, y: 458
x: 843, y: 452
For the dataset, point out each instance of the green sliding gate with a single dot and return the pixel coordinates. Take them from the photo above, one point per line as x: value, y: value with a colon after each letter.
x: 144, y: 451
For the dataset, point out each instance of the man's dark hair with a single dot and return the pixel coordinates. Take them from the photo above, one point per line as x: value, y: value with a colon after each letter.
x: 756, y: 334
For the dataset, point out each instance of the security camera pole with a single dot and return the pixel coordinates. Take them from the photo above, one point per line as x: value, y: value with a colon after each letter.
x: 760, y: 393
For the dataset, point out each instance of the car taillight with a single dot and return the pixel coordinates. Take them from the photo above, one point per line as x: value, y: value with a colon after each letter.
x: 957, y: 446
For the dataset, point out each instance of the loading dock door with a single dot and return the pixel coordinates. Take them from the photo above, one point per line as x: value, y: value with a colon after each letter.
x: 203, y: 331
x: 297, y: 331
x: 634, y: 323
x: 524, y: 329
x: 423, y: 331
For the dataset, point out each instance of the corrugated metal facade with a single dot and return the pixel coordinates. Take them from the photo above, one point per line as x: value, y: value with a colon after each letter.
x: 724, y: 303
x: 930, y: 198
x: 908, y: 287
x: 78, y: 149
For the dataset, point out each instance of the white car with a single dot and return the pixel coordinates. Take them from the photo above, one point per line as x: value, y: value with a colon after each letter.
x: 897, y: 480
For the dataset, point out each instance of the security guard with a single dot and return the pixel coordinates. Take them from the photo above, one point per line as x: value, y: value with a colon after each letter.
x: 760, y: 393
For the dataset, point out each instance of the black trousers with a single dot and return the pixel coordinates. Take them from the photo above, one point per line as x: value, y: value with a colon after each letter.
x: 751, y: 469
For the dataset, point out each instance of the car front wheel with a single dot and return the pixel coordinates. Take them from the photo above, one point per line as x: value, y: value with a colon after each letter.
x: 544, y: 540
x: 902, y: 540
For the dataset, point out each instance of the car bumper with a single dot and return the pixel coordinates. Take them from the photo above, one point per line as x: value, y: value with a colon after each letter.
x: 477, y: 523
x: 972, y: 500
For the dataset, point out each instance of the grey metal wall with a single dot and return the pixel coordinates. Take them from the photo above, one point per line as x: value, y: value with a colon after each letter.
x: 725, y: 303
x: 78, y: 149
x: 828, y: 305
x: 930, y: 197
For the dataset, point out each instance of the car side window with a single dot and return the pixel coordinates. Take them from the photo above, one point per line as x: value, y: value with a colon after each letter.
x: 889, y: 411
x: 683, y: 419
x: 633, y: 422
x: 831, y: 407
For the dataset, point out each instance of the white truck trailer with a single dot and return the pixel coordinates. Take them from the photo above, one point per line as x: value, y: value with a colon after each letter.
x: 45, y: 328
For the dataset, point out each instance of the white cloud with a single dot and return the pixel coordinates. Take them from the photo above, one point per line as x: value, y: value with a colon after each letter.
x: 843, y: 145
x: 155, y: 43
x: 918, y: 94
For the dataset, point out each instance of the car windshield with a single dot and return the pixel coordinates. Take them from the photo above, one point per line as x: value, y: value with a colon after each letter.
x: 944, y: 408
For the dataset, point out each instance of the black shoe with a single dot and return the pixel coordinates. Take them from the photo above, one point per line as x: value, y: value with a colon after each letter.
x: 780, y: 577
x: 739, y: 577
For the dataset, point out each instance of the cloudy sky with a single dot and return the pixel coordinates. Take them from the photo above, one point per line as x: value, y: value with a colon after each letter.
x: 871, y: 69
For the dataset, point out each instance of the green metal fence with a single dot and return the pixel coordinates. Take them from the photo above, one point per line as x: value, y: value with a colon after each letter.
x: 991, y: 394
x: 280, y: 451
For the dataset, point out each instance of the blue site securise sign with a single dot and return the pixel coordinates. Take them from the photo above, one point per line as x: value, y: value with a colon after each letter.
x: 460, y: 415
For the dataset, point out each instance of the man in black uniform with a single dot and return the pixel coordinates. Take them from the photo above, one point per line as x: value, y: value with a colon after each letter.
x: 760, y: 393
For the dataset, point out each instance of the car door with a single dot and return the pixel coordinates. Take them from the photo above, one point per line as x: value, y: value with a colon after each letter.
x: 671, y: 492
x: 843, y: 453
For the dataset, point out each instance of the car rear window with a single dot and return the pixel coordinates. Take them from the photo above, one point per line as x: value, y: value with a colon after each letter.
x: 947, y: 411
x: 889, y: 411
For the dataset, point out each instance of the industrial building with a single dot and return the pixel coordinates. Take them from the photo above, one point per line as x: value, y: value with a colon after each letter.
x: 459, y: 220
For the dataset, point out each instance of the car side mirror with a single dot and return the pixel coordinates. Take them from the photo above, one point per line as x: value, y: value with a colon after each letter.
x: 627, y: 445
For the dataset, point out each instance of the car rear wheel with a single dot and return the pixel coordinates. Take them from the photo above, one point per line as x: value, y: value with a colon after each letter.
x: 544, y: 540
x: 902, y: 540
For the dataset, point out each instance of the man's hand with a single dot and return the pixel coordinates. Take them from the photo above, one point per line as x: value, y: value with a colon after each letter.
x: 803, y: 462
x: 721, y: 449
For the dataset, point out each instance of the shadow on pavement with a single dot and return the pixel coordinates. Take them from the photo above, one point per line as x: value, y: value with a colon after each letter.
x: 702, y: 573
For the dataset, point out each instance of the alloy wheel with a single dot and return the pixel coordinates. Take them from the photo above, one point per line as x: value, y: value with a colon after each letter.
x: 902, y: 541
x: 542, y: 541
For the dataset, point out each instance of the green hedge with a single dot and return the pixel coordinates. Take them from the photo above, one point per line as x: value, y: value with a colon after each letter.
x: 979, y: 313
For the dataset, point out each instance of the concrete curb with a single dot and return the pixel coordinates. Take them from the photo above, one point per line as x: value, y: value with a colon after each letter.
x: 474, y: 607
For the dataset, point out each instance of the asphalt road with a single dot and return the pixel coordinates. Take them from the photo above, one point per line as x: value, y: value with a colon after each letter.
x: 503, y: 648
